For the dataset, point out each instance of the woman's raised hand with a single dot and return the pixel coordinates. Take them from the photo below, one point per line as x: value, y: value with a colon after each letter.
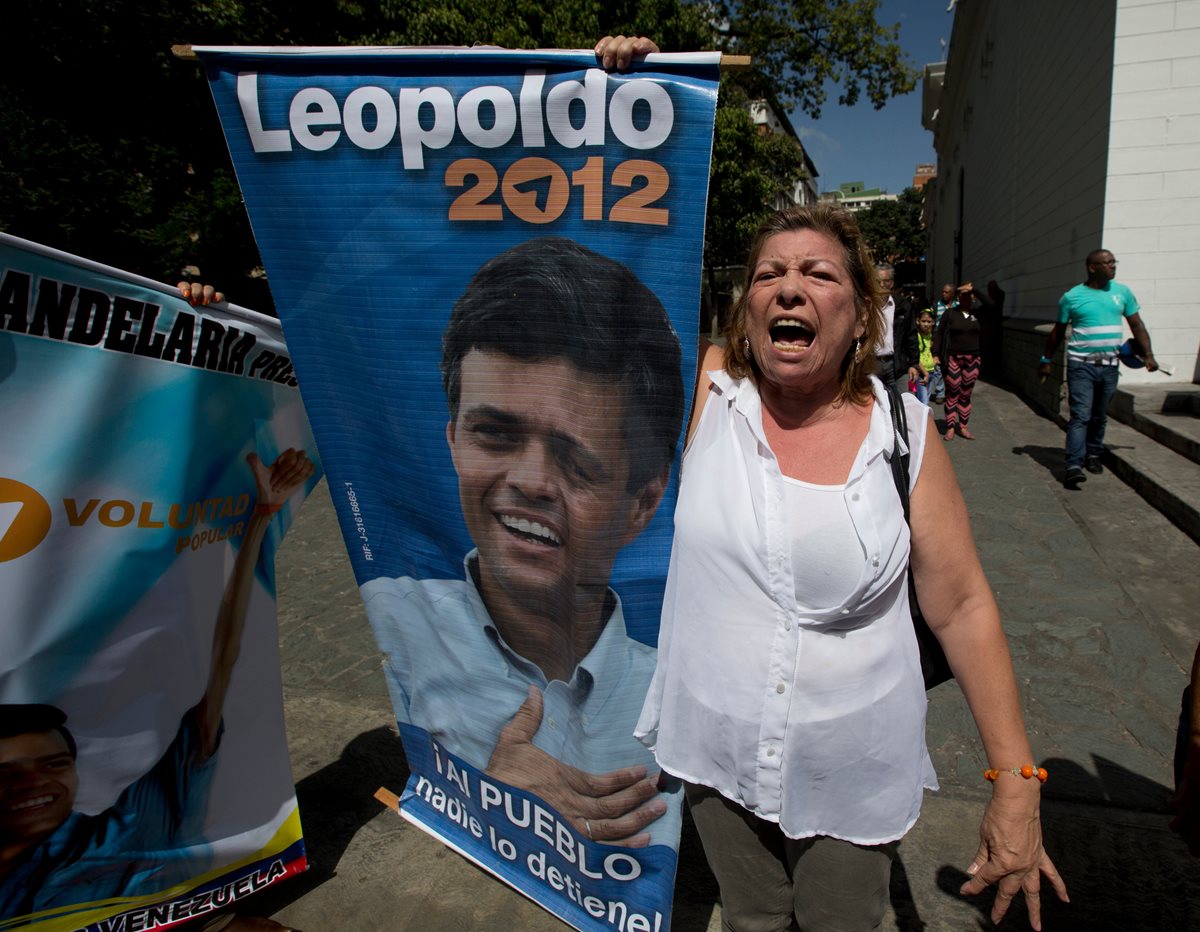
x: 195, y: 293
x: 616, y: 52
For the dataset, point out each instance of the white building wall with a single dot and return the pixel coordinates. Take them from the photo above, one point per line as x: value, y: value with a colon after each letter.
x: 1152, y: 221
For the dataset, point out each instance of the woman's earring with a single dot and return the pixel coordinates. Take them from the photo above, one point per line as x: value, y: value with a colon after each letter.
x: 857, y: 352
x: 746, y: 347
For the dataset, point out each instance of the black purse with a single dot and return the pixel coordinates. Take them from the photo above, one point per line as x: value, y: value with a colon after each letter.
x: 934, y: 666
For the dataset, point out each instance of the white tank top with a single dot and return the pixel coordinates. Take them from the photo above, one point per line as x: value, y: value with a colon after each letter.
x: 824, y: 543
x: 807, y: 708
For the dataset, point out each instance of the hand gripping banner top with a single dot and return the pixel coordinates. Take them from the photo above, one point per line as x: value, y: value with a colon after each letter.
x: 487, y: 264
x: 154, y: 454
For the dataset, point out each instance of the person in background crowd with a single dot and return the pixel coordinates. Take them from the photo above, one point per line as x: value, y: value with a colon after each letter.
x: 929, y: 385
x: 956, y: 346
x: 915, y: 294
x: 947, y: 301
x: 1094, y: 310
x: 896, y: 351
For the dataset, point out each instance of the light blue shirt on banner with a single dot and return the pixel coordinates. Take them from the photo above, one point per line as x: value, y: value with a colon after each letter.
x: 1095, y: 318
x: 147, y: 841
x: 450, y: 672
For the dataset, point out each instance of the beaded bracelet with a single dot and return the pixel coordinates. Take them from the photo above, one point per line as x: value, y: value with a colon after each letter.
x: 267, y: 509
x: 1028, y: 772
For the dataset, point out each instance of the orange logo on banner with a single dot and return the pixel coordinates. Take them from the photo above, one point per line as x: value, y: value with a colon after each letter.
x: 24, y: 519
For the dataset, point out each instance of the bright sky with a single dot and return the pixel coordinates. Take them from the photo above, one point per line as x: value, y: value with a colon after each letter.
x: 880, y: 148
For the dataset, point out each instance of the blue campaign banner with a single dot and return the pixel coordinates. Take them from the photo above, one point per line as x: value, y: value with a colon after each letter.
x: 155, y: 455
x: 488, y: 267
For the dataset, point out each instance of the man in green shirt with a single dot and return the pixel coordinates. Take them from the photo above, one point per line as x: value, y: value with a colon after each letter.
x: 1094, y: 310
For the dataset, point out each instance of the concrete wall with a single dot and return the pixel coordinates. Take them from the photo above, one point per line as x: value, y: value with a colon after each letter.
x: 1063, y: 127
x: 1152, y: 220
x: 1022, y: 142
x: 1023, y: 341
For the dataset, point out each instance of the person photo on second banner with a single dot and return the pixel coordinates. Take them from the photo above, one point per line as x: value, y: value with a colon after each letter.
x: 152, y: 837
x: 562, y: 373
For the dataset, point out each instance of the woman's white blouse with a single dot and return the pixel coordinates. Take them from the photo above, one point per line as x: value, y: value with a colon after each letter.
x: 809, y: 716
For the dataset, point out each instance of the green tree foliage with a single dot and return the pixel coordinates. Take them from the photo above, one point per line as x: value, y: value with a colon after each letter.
x: 799, y: 45
x: 893, y: 229
x: 110, y: 147
x: 749, y: 171
x: 126, y: 164
x: 523, y: 24
x: 797, y: 48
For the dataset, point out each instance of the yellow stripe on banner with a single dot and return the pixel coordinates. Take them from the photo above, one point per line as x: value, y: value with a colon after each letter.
x: 80, y: 915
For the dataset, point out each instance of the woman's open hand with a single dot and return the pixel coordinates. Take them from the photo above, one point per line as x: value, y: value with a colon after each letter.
x: 1011, y: 856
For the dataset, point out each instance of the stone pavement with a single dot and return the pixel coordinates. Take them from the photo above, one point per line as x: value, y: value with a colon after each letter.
x: 1101, y: 600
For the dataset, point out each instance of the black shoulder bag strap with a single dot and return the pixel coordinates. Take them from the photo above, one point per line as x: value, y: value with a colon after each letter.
x: 934, y: 666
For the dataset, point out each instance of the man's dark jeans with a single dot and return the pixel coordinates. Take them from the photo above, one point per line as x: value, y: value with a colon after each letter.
x: 1089, y: 387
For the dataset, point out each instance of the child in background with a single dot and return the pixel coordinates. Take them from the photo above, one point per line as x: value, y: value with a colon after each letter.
x: 930, y: 384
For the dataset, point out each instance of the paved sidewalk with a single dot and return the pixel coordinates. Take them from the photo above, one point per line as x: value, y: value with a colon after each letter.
x: 1100, y: 597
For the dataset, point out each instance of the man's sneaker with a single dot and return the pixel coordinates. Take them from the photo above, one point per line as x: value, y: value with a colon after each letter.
x: 1074, y: 478
x: 1093, y: 466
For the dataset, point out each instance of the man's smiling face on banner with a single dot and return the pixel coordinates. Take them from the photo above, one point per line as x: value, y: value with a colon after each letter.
x: 543, y: 472
x: 38, y: 782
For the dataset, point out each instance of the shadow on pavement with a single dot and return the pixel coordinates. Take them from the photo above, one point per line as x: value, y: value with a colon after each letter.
x: 950, y: 880
x: 908, y: 917
x: 1050, y: 458
x: 338, y: 800
x: 335, y: 802
x: 1113, y: 785
x: 1123, y: 869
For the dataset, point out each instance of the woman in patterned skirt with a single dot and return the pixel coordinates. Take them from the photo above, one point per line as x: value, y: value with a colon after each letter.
x: 956, y: 348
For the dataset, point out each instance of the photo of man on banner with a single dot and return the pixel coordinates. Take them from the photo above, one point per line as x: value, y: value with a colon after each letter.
x: 491, y: 298
x: 562, y: 374
x: 152, y: 838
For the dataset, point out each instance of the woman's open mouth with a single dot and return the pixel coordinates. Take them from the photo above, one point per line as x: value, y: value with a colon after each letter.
x: 790, y: 335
